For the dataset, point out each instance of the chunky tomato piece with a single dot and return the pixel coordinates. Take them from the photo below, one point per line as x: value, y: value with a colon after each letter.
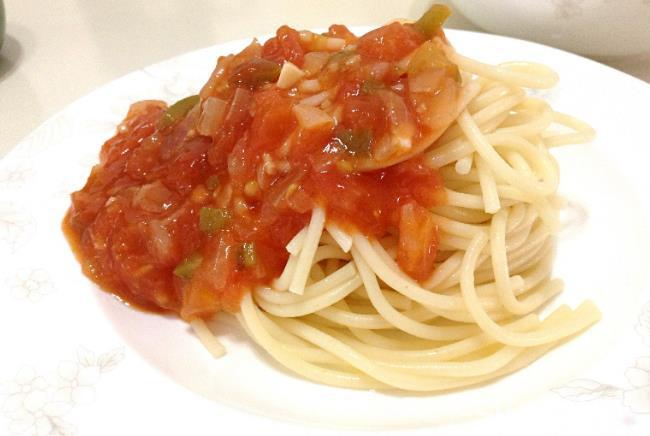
x: 285, y: 46
x: 341, y: 31
x: 418, y: 241
x: 273, y: 120
x: 390, y: 43
x: 365, y: 112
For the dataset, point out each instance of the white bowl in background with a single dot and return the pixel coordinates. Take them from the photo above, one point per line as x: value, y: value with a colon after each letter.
x: 589, y: 27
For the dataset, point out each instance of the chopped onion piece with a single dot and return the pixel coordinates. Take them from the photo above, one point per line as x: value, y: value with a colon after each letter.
x: 337, y: 114
x: 402, y: 142
x: 160, y: 242
x: 379, y: 69
x: 316, y: 99
x: 309, y: 86
x: 314, y: 62
x: 289, y: 75
x: 310, y: 117
x: 429, y: 81
x: 306, y: 36
x: 213, y: 111
x: 402, y: 126
x: 328, y: 43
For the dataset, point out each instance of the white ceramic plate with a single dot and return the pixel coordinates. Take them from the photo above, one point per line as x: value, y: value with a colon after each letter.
x: 76, y: 361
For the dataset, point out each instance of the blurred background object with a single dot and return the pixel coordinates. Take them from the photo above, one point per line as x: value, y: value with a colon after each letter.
x: 601, y: 28
x: 2, y: 23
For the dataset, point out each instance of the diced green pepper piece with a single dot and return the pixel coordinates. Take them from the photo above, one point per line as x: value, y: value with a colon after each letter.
x: 212, y: 219
x: 356, y: 142
x: 370, y: 86
x: 177, y: 111
x: 433, y: 19
x: 339, y: 57
x: 254, y: 73
x: 248, y: 254
x: 185, y: 269
x: 212, y: 182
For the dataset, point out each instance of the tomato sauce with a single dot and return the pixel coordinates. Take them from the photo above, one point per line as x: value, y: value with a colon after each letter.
x: 192, y: 205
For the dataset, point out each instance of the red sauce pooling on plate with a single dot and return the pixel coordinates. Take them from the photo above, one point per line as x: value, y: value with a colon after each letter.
x: 192, y: 205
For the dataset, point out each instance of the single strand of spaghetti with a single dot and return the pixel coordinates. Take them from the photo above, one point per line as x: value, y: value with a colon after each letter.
x: 444, y: 270
x: 488, y: 186
x: 518, y: 162
x: 311, y: 305
x: 462, y: 199
x: 207, y: 338
x: 352, y: 319
x: 396, y: 299
x: 500, y: 264
x: 399, y: 320
x: 338, y: 277
x: 485, y: 289
x: 517, y: 215
x: 282, y: 282
x: 537, y: 274
x: 449, y: 174
x: 494, y: 123
x: 451, y: 242
x: 542, y: 294
x: 457, y: 228
x: 521, y: 225
x: 489, y: 95
x: 341, y: 237
x: 467, y: 216
x: 329, y: 252
x: 310, y: 244
x: 498, y: 110
x: 444, y: 154
x: 344, y: 316
x: 533, y: 127
x: 248, y: 317
x: 470, y: 368
x: 549, y: 215
x: 543, y: 78
x: 295, y: 245
x: 464, y: 164
x: 588, y: 316
x: 583, y: 131
x: 374, y: 338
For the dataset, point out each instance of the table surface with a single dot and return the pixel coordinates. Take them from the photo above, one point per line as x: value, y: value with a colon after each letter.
x: 54, y: 55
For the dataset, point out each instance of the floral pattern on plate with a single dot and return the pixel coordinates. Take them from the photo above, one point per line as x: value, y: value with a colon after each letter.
x: 37, y: 406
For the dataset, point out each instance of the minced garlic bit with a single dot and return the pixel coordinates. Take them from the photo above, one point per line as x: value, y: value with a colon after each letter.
x: 289, y: 75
